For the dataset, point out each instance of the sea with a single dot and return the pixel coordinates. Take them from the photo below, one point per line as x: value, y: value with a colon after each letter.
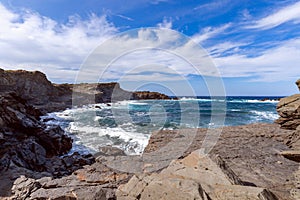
x: 128, y: 124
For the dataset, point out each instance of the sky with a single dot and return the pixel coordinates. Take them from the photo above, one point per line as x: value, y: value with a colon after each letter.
x: 177, y: 47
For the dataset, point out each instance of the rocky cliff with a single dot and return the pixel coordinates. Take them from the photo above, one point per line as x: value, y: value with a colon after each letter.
x: 38, y: 91
x: 289, y: 111
x: 29, y: 146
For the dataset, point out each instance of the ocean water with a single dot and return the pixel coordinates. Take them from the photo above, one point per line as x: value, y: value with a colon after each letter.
x: 129, y: 124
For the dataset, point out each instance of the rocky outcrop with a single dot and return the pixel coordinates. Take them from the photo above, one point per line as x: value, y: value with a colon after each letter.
x: 149, y: 95
x: 30, y: 147
x: 39, y: 92
x: 289, y: 110
x: 35, y: 88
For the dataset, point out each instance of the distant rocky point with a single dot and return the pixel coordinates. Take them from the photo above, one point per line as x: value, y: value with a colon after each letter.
x: 38, y: 91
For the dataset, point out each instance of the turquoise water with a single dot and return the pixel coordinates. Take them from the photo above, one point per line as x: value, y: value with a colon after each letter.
x: 129, y: 124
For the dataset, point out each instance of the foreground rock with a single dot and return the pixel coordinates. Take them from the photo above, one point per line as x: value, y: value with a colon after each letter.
x: 194, y: 177
x: 252, y: 152
x: 92, y: 182
x: 245, y: 162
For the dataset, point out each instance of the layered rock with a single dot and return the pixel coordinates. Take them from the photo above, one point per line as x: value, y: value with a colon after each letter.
x: 289, y: 110
x: 252, y: 152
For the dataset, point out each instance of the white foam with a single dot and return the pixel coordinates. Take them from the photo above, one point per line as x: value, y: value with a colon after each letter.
x: 138, y: 103
x: 131, y: 138
x: 265, y: 114
x: 262, y: 101
x: 187, y: 98
x: 252, y: 101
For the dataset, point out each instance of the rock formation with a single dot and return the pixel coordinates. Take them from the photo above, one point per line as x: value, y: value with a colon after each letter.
x: 38, y: 91
x: 30, y: 147
x: 289, y: 110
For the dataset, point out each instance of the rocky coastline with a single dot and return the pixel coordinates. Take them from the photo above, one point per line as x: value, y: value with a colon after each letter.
x: 30, y: 147
x: 256, y: 161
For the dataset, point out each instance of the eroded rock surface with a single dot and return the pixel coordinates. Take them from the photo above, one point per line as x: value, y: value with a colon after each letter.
x: 289, y: 110
x: 194, y: 177
x: 252, y: 152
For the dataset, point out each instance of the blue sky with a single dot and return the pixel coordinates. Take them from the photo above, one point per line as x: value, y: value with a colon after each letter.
x: 254, y: 45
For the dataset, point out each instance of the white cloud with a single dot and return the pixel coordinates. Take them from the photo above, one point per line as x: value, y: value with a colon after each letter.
x: 218, y: 49
x: 136, y: 49
x: 158, y: 1
x: 165, y: 23
x: 209, y: 32
x: 34, y: 41
x: 211, y: 6
x: 286, y: 14
x: 275, y: 64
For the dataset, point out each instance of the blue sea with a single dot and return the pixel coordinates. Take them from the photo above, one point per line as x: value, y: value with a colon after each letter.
x: 128, y: 124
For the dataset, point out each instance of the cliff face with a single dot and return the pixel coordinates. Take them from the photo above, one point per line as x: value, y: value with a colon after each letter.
x: 289, y: 110
x: 37, y: 90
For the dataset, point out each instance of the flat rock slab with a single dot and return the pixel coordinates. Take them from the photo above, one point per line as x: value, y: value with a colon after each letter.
x: 251, y: 151
x: 194, y: 177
